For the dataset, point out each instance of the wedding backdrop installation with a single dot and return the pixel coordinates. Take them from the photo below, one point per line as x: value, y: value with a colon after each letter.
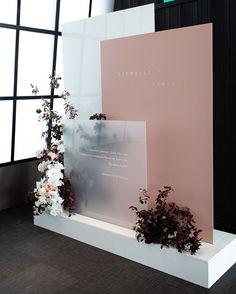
x: 119, y: 91
x: 148, y: 76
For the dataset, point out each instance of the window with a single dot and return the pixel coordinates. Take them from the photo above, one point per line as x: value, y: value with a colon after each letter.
x: 30, y: 50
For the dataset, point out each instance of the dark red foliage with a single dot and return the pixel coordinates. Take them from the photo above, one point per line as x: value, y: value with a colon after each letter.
x: 166, y: 224
x: 68, y: 194
x: 98, y: 116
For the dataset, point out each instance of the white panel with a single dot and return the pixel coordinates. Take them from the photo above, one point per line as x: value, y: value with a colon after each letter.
x: 81, y: 49
x: 7, y: 57
x: 8, y: 11
x: 38, y: 14
x: 135, y: 21
x: 28, y: 129
x: 72, y: 10
x: 5, y: 130
x: 102, y: 6
x: 35, y: 62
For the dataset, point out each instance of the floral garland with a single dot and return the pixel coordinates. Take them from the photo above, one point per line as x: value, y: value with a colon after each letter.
x: 53, y: 192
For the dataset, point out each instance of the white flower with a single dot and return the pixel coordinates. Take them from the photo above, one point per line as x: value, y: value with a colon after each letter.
x: 55, y: 176
x: 42, y: 192
x: 57, y: 199
x: 39, y: 153
x: 60, y: 148
x: 43, y: 166
x: 56, y: 166
x: 41, y: 200
x: 56, y: 209
x: 52, y: 194
x: 56, y: 181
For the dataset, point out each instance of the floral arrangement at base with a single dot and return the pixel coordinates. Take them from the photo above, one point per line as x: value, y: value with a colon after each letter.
x: 166, y: 224
x: 53, y: 193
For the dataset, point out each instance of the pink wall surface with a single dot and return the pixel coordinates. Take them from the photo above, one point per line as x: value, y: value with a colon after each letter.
x: 165, y: 79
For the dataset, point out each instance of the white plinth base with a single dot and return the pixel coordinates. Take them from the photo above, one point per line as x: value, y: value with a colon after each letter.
x: 203, y: 269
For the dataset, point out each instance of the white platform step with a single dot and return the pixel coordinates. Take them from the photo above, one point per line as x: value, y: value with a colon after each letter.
x: 203, y: 269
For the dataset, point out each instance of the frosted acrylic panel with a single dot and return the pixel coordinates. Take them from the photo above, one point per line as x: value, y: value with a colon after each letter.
x: 5, y: 130
x: 38, y: 13
x: 165, y: 78
x: 35, y: 62
x: 28, y: 129
x: 7, y: 56
x: 8, y: 11
x: 102, y: 6
x: 106, y: 163
x: 81, y: 51
x: 72, y: 10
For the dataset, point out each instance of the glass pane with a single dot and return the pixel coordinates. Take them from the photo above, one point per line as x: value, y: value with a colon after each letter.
x: 38, y: 14
x: 8, y: 11
x: 102, y: 6
x: 73, y: 10
x: 101, y: 161
x: 28, y: 129
x: 5, y: 130
x: 7, y: 57
x: 35, y: 62
x: 58, y: 105
x: 59, y: 67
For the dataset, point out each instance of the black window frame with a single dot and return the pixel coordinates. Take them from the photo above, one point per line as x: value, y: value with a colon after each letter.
x: 18, y: 28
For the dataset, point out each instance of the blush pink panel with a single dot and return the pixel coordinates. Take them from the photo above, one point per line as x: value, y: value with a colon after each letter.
x: 165, y: 79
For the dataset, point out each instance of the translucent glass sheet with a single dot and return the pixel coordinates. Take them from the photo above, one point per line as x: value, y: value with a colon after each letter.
x: 38, y: 13
x: 28, y: 129
x: 8, y: 11
x: 5, y: 130
x: 72, y: 10
x: 106, y: 163
x: 102, y: 6
x: 81, y: 51
x: 35, y: 62
x: 7, y: 57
